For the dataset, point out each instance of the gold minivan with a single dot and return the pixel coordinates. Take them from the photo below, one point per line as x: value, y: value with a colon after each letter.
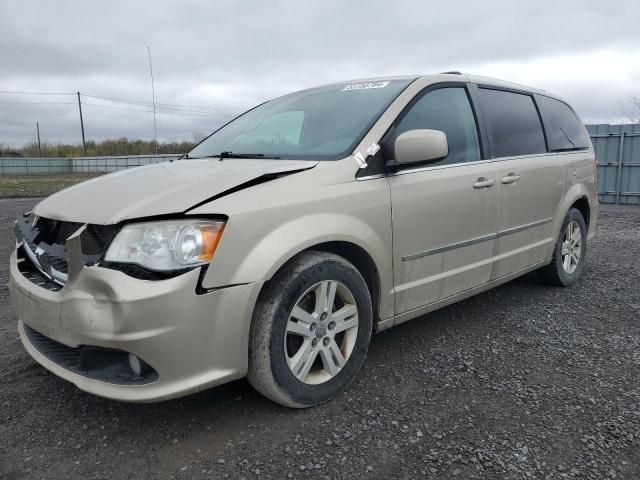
x: 280, y: 243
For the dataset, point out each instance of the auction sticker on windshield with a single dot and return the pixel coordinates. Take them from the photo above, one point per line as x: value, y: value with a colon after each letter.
x: 364, y: 86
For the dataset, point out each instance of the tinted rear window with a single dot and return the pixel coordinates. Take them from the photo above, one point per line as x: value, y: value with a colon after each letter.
x: 513, y: 123
x: 564, y: 129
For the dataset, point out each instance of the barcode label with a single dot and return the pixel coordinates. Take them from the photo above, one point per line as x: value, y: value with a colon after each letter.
x: 364, y: 86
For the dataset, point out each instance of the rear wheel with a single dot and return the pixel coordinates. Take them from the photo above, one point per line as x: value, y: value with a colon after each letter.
x: 311, y: 330
x: 569, y: 254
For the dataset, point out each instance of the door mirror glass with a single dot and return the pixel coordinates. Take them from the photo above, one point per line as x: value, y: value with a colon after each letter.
x: 420, y: 146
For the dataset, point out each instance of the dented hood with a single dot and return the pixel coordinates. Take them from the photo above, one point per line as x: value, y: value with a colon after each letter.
x: 159, y: 189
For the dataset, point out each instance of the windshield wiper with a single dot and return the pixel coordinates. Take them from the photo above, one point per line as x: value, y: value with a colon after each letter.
x: 225, y: 154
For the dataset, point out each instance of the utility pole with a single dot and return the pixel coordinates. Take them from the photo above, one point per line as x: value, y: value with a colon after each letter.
x: 153, y: 96
x: 84, y: 146
x: 39, y: 146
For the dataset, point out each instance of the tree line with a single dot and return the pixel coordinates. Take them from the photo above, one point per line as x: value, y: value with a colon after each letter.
x: 120, y: 146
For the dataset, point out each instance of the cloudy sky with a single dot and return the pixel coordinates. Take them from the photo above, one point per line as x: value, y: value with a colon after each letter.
x: 212, y: 59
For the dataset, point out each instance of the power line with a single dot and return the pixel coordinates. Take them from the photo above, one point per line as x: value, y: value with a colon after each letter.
x: 212, y: 115
x: 212, y: 112
x: 120, y: 100
x: 54, y: 111
x: 193, y: 106
x: 163, y: 127
x: 36, y: 103
x: 180, y: 113
x: 117, y: 108
x: 35, y: 93
x: 64, y: 110
x: 146, y: 103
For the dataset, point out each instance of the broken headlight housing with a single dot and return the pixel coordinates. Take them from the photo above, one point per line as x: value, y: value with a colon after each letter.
x: 166, y: 245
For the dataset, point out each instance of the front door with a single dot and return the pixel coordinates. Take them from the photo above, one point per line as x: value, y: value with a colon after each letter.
x: 444, y: 213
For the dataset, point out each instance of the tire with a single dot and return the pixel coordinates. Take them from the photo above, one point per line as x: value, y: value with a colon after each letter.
x: 557, y: 273
x: 278, y: 339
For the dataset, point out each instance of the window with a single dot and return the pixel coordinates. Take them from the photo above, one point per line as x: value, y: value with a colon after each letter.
x: 512, y: 122
x: 564, y: 129
x: 324, y: 123
x: 277, y: 132
x: 448, y: 110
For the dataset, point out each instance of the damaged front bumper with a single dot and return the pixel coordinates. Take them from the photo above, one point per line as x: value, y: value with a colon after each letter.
x: 85, y: 330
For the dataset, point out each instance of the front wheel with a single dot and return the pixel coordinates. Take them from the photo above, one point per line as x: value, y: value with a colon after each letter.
x: 569, y: 254
x: 311, y: 331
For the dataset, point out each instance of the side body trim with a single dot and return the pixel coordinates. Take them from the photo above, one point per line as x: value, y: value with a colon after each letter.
x: 403, y: 317
x: 484, y: 238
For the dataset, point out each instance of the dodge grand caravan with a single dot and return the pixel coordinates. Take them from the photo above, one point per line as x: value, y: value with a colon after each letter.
x: 276, y: 246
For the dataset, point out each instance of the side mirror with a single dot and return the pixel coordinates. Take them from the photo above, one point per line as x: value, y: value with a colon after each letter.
x: 420, y: 146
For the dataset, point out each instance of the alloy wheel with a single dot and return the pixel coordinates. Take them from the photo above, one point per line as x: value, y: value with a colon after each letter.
x: 571, y: 247
x: 321, y: 332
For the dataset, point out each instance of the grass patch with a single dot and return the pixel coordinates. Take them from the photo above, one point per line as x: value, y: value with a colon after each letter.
x: 12, y: 186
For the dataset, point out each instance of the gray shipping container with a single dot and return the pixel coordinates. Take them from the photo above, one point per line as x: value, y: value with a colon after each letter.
x: 617, y: 150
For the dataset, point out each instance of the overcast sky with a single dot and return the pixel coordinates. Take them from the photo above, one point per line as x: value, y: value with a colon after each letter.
x: 215, y: 58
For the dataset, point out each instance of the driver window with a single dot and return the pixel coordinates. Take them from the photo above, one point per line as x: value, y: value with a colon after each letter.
x: 447, y: 110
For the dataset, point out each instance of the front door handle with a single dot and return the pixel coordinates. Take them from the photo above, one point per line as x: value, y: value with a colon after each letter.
x: 483, y: 182
x: 511, y: 178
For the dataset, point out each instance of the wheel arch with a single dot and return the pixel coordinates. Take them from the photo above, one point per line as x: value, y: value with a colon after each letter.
x: 354, y: 254
x: 576, y: 197
x: 582, y: 205
x: 363, y: 262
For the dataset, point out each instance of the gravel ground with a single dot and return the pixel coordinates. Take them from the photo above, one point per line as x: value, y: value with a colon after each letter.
x: 523, y: 381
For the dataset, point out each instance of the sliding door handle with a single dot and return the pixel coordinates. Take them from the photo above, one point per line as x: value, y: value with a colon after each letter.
x: 511, y: 178
x: 483, y: 182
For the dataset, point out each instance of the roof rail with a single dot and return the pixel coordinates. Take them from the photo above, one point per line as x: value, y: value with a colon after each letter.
x: 452, y: 72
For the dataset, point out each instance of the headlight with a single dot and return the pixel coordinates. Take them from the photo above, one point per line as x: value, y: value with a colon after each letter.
x: 166, y: 245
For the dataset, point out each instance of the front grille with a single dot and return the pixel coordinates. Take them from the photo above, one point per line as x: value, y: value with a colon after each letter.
x: 46, y: 241
x: 55, y: 231
x: 58, y: 263
x: 104, y: 364
x: 31, y: 273
x: 94, y: 238
x: 54, y: 260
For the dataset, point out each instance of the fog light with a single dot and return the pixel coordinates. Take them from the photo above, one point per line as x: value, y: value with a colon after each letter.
x: 136, y: 364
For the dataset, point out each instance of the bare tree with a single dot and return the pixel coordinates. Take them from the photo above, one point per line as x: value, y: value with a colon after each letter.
x: 631, y: 109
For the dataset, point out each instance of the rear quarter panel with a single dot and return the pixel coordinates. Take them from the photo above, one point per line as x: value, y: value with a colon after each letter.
x: 579, y: 182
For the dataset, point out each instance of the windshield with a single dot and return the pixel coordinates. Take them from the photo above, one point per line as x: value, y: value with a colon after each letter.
x: 324, y: 123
